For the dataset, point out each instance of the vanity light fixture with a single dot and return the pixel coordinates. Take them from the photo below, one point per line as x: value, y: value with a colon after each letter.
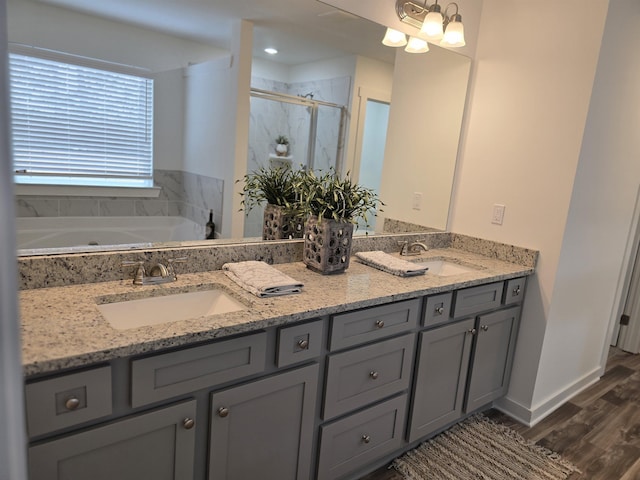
x: 435, y: 27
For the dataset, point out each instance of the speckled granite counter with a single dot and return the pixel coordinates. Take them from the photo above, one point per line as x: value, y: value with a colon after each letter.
x: 62, y: 328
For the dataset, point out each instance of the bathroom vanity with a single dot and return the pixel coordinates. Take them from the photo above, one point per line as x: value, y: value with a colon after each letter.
x: 328, y: 384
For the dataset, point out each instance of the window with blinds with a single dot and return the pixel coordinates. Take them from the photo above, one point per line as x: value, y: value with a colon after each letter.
x: 74, y: 124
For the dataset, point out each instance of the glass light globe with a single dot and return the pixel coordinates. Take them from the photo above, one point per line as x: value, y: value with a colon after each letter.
x: 394, y: 38
x: 416, y: 45
x: 453, y: 35
x: 432, y: 26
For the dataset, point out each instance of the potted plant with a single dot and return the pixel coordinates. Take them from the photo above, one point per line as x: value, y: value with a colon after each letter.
x: 333, y: 205
x: 277, y: 187
x: 282, y: 146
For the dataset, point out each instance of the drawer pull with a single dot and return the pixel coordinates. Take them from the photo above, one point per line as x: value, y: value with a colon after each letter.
x: 223, y: 412
x: 439, y: 310
x: 303, y: 344
x: 472, y: 331
x: 188, y: 423
x: 366, y: 439
x: 484, y: 328
x: 380, y: 323
x: 72, y: 403
x: 373, y: 375
x: 516, y: 291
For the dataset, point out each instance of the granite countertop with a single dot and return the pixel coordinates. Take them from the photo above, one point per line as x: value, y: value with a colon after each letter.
x: 62, y: 327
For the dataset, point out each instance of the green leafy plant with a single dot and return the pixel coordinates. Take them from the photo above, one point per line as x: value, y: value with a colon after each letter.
x: 277, y: 186
x: 330, y: 196
x: 282, y: 140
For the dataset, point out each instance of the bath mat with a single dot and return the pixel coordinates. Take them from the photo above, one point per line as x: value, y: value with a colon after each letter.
x: 480, y: 449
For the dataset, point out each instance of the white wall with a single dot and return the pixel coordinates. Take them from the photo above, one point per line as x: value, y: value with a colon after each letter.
x: 13, y: 437
x: 522, y: 142
x: 592, y: 256
x: 217, y: 123
x: 422, y: 141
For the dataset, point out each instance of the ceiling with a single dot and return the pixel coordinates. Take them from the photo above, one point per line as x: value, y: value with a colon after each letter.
x: 301, y: 30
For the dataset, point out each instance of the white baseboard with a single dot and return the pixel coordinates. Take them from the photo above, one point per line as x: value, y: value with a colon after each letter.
x: 531, y: 416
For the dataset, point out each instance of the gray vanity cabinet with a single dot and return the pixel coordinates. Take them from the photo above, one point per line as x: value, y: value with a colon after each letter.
x: 465, y: 364
x: 265, y: 429
x: 493, y: 357
x: 157, y: 445
x: 441, y: 376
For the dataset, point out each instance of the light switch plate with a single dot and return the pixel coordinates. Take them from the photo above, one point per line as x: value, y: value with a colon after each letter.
x: 498, y: 214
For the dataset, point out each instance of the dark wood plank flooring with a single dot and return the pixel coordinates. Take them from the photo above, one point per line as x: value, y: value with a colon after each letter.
x: 598, y: 430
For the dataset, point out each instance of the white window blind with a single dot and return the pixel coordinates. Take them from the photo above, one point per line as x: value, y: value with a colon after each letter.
x: 78, y: 125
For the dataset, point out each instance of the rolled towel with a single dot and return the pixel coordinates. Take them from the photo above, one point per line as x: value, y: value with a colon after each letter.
x: 261, y: 279
x: 387, y: 263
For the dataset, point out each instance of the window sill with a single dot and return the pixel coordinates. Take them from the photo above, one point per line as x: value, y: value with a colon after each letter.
x: 84, y: 191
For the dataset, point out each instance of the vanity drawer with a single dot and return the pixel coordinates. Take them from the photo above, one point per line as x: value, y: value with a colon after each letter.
x: 350, y: 443
x: 367, y: 374
x: 354, y: 328
x: 470, y: 301
x: 68, y: 400
x: 184, y: 371
x: 299, y: 343
x: 514, y: 291
x: 437, y: 309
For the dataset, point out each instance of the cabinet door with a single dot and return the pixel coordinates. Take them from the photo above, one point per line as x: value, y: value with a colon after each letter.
x: 157, y: 445
x: 264, y: 429
x: 493, y: 357
x: 441, y: 376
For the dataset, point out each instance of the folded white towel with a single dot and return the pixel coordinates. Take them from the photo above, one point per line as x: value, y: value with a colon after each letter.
x: 387, y: 263
x: 261, y: 279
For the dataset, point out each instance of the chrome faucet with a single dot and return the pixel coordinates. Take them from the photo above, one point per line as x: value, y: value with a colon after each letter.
x: 158, y: 274
x: 414, y: 248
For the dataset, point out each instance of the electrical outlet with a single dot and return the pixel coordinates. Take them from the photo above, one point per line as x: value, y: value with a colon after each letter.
x: 498, y: 214
x: 417, y: 200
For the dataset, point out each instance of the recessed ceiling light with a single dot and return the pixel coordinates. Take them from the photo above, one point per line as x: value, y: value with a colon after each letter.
x: 271, y: 51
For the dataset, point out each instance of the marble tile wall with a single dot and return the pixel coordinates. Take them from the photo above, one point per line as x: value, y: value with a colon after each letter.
x: 182, y: 194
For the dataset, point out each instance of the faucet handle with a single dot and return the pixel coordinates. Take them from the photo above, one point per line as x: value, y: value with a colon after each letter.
x: 140, y: 271
x: 170, y: 263
x: 404, y: 247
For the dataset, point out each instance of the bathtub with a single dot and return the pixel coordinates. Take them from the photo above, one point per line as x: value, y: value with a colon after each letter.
x: 98, y: 232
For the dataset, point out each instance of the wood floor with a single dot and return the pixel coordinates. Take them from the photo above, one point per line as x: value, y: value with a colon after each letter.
x: 598, y: 430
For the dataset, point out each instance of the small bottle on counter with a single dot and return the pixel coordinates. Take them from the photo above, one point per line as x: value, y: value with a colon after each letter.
x: 210, y: 227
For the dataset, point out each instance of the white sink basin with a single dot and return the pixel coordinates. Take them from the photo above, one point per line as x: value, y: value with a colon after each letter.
x: 444, y: 268
x: 168, y: 308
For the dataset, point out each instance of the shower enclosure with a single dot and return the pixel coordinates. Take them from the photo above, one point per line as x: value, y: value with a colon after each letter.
x: 315, y: 129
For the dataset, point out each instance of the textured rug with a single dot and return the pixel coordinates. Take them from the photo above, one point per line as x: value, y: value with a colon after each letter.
x: 479, y: 448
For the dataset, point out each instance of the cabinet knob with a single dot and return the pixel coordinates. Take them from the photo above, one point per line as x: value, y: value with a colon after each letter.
x: 440, y: 310
x: 223, y: 412
x: 373, y: 375
x: 380, y: 323
x: 516, y: 291
x: 472, y: 331
x: 72, y: 403
x: 188, y: 423
x: 303, y: 344
x: 366, y: 438
x: 484, y: 328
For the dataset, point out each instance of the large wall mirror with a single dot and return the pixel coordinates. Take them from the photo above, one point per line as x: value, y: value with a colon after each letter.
x: 400, y: 134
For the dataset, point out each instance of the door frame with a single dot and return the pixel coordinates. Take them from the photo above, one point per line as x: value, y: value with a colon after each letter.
x: 364, y: 95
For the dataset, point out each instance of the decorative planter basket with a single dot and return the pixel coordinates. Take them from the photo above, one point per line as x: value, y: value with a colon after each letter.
x: 278, y: 225
x: 327, y: 245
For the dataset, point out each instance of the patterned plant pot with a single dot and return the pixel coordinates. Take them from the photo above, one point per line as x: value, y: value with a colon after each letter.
x: 327, y: 245
x: 278, y: 225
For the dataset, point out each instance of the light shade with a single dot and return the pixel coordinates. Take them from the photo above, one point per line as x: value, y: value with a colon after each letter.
x: 417, y: 45
x: 432, y: 25
x: 394, y: 38
x: 453, y: 35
